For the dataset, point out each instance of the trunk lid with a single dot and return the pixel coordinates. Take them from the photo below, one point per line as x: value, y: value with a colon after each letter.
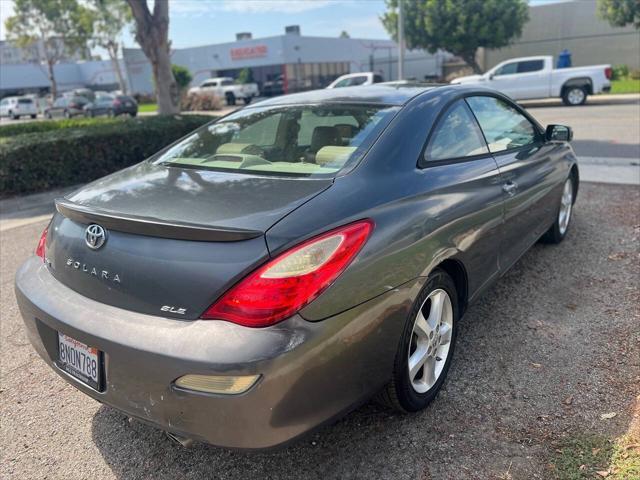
x: 174, y: 239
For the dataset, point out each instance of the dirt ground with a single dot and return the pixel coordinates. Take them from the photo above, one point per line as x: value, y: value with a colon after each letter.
x: 543, y: 363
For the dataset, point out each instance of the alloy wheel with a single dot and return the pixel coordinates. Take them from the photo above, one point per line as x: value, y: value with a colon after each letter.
x: 430, y: 341
x: 576, y: 96
x: 566, y: 204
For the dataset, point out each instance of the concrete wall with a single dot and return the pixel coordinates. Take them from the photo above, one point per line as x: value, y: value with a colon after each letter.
x: 575, y: 26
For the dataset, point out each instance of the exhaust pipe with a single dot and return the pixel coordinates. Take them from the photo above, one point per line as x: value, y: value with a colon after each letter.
x: 186, y: 442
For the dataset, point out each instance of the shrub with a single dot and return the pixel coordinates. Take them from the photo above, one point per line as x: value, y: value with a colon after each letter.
x: 11, y: 130
x: 39, y: 161
x: 182, y: 75
x: 620, y: 72
x: 635, y: 74
x: 200, y: 102
x: 144, y: 98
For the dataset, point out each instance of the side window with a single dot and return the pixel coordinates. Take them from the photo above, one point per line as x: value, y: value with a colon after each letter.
x: 357, y: 81
x: 503, y: 126
x: 377, y: 79
x: 530, y: 66
x: 508, y: 69
x: 456, y: 136
x: 343, y: 83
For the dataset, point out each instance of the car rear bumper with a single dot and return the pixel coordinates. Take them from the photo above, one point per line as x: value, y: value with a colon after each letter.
x: 310, y: 372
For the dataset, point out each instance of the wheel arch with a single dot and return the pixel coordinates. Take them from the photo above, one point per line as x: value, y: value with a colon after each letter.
x: 576, y: 181
x: 458, y: 273
x: 578, y: 82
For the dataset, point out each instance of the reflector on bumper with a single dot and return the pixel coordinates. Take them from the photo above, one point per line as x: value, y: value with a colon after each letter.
x: 226, y: 385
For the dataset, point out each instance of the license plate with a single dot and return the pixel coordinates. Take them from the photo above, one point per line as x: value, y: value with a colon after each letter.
x: 79, y: 360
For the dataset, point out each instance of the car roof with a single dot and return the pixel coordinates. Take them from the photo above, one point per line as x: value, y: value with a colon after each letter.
x: 380, y: 94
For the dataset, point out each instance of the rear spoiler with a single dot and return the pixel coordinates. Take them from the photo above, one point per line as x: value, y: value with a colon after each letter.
x: 150, y: 226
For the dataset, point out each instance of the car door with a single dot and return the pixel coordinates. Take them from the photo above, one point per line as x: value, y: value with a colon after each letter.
x: 531, y: 80
x: 504, y: 79
x: 528, y: 173
x: 463, y: 181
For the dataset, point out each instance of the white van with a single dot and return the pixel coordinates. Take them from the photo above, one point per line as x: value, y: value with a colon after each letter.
x: 16, y: 107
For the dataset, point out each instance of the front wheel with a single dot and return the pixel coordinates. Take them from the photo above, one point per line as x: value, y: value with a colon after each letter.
x: 574, y: 96
x: 426, y: 347
x: 231, y: 98
x: 33, y: 117
x: 247, y: 100
x: 560, y: 226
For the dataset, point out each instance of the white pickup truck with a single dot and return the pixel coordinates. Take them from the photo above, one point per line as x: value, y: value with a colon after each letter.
x: 534, y: 77
x: 227, y: 88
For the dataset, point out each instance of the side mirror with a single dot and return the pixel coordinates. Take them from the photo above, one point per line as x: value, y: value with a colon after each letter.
x: 560, y: 133
x: 491, y: 75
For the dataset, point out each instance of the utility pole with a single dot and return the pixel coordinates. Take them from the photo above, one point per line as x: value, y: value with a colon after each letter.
x: 400, y: 41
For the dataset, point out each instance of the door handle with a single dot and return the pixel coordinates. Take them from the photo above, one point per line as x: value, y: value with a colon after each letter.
x: 510, y: 188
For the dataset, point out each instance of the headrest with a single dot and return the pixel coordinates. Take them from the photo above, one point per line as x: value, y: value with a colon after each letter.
x: 323, y: 136
x: 334, y: 155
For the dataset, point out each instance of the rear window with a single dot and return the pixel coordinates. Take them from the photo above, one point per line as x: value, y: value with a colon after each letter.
x: 25, y: 101
x: 306, y: 140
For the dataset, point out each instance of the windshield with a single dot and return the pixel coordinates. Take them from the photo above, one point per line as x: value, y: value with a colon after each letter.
x: 304, y: 140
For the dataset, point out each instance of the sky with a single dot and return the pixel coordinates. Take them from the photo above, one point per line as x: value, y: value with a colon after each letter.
x: 203, y: 22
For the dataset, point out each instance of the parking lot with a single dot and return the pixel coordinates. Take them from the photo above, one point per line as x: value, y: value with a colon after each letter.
x: 550, y: 357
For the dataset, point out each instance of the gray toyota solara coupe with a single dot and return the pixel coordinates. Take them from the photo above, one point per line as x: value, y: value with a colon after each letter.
x: 283, y: 264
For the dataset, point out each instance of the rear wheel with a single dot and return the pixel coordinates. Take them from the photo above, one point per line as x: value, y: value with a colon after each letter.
x: 247, y: 100
x: 573, y: 96
x: 426, y: 347
x: 33, y: 116
x: 560, y: 227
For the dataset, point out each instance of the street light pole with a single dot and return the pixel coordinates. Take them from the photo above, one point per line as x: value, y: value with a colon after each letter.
x: 400, y: 41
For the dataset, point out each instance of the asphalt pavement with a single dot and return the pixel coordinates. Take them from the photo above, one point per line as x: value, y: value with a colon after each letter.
x: 551, y: 348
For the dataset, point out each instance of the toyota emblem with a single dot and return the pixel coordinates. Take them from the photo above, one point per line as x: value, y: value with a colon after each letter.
x: 95, y: 236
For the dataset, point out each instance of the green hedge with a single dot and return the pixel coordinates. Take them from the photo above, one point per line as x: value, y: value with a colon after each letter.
x: 13, y: 129
x: 59, y: 157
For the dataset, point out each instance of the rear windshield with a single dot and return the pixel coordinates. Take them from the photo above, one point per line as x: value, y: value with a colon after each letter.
x: 25, y: 101
x: 304, y: 140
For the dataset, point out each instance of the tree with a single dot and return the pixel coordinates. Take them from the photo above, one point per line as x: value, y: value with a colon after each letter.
x: 344, y: 34
x: 49, y: 29
x: 245, y: 76
x: 458, y: 26
x: 152, y: 33
x: 182, y: 75
x: 620, y: 13
x: 110, y: 17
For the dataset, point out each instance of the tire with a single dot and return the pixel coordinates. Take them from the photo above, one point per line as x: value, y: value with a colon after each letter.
x: 560, y: 227
x: 67, y: 114
x: 230, y: 98
x: 574, y: 96
x: 411, y: 395
x: 247, y: 100
x: 133, y: 114
x: 33, y: 117
x: 48, y: 115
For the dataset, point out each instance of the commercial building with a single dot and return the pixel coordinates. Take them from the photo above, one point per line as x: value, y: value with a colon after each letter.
x: 287, y: 63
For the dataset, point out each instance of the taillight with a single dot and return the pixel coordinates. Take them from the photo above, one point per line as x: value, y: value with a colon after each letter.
x: 42, y: 243
x: 608, y: 72
x: 116, y: 103
x: 292, y: 280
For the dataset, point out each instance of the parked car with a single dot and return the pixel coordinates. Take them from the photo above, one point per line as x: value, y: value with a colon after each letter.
x: 534, y: 77
x: 225, y: 87
x: 112, y: 106
x: 66, y: 107
x: 285, y: 263
x: 355, y: 79
x: 16, y: 107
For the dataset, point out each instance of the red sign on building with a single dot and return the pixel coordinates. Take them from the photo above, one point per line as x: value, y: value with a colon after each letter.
x: 242, y: 53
